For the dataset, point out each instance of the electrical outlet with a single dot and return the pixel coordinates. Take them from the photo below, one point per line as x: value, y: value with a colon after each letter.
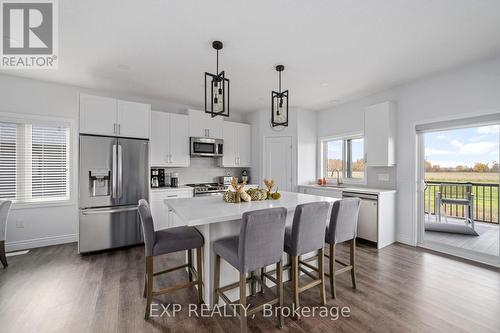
x: 20, y: 224
x: 383, y: 177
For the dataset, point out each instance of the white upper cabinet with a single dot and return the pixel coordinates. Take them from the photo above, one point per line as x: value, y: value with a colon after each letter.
x: 109, y: 116
x: 169, y: 143
x: 179, y: 140
x: 133, y: 119
x: 244, y: 144
x: 159, y: 144
x: 201, y: 124
x: 380, y: 134
x: 236, y: 145
x: 97, y: 115
x: 230, y: 142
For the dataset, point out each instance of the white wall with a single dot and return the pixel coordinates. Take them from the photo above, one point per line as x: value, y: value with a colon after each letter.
x: 56, y: 224
x: 460, y: 93
x: 306, y: 147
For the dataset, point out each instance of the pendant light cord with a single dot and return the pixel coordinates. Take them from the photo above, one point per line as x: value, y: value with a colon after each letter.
x: 279, y: 83
x: 217, y: 67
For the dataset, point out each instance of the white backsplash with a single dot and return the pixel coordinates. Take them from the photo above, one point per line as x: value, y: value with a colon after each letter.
x: 205, y: 170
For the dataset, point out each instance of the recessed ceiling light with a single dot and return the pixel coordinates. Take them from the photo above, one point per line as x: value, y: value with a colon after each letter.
x: 324, y: 84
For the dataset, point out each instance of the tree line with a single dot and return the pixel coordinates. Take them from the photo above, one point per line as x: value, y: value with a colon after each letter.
x: 478, y: 167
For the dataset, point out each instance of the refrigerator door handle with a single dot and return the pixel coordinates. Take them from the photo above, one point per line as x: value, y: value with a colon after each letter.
x: 115, y: 179
x: 108, y: 210
x: 120, y: 171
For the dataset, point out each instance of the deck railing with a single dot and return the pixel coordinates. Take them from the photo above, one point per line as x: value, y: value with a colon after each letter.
x: 485, y: 199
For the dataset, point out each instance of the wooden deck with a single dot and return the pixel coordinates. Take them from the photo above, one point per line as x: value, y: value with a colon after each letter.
x: 487, y: 242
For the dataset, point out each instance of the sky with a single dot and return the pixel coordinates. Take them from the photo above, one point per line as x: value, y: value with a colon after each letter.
x: 465, y: 146
x: 335, y: 149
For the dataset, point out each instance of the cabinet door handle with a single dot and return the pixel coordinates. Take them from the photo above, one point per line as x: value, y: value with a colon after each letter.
x: 119, y: 129
x: 114, y: 128
x: 170, y: 158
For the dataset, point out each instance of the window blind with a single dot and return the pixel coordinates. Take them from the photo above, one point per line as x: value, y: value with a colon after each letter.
x: 34, y: 162
x: 8, y: 134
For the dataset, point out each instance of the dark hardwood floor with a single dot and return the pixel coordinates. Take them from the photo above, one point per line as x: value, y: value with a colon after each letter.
x: 400, y: 289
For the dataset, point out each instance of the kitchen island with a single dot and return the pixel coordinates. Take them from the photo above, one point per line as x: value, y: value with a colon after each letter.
x: 216, y: 219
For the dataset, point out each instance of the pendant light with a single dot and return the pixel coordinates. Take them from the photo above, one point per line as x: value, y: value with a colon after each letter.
x: 279, y: 103
x: 217, y: 89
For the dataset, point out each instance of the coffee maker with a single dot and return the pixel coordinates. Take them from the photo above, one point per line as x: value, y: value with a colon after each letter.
x: 157, y: 178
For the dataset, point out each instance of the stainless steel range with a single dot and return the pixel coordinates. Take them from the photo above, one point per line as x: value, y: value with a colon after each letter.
x: 206, y: 189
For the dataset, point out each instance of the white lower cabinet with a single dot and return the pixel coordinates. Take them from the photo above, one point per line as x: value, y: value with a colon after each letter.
x: 377, y: 212
x: 162, y: 217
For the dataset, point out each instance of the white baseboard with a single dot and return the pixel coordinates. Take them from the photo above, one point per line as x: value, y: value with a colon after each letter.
x: 40, y: 242
x: 405, y: 239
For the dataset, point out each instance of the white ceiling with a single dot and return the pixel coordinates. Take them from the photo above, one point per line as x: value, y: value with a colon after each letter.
x: 333, y: 50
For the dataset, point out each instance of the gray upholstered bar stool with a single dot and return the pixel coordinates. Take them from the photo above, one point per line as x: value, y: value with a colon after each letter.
x: 343, y: 227
x: 4, y: 215
x: 307, y: 234
x: 168, y: 241
x: 259, y: 244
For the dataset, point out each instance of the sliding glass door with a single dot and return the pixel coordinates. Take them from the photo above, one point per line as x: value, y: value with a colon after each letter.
x: 458, y: 190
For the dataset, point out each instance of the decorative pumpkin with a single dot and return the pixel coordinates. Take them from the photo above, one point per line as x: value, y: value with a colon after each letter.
x: 229, y: 196
x: 240, y: 190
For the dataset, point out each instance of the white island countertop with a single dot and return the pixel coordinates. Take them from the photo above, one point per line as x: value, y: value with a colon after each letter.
x: 212, y: 209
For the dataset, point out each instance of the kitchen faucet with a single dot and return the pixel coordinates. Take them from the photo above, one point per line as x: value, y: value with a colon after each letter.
x: 339, y: 181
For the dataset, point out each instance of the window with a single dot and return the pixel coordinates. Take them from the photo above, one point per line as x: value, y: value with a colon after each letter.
x: 34, y: 162
x: 345, y: 156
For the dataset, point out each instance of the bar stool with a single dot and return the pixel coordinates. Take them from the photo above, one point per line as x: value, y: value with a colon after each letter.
x: 168, y: 241
x: 307, y: 234
x: 259, y: 244
x: 343, y: 227
x: 4, y: 215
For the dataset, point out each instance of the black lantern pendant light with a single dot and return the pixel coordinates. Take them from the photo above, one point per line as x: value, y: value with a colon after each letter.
x: 279, y: 103
x: 217, y: 89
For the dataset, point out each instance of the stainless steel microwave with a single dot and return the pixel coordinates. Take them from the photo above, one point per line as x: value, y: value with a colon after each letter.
x: 206, y: 147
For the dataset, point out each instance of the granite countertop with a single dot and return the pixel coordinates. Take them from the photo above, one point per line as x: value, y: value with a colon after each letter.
x: 212, y: 209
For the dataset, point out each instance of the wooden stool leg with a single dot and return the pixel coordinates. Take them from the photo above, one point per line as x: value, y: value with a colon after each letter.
x: 332, y: 270
x: 3, y: 257
x: 145, y: 285
x: 321, y: 272
x: 353, y: 263
x: 279, y: 273
x: 263, y: 278
x: 199, y: 271
x: 295, y: 280
x: 252, y: 283
x: 190, y: 264
x: 149, y: 292
x: 216, y: 279
x: 243, y: 303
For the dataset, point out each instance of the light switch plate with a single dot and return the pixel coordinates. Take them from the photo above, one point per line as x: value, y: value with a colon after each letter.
x: 383, y: 177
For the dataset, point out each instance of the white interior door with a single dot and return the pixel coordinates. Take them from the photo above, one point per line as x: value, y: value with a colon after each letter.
x: 278, y: 161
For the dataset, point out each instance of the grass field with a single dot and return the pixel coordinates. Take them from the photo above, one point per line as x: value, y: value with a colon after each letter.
x: 485, y: 197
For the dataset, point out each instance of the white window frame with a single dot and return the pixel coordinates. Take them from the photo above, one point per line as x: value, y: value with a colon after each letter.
x: 72, y: 144
x: 322, y: 162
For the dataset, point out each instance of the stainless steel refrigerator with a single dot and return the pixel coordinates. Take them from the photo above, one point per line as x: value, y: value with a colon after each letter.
x: 113, y: 177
